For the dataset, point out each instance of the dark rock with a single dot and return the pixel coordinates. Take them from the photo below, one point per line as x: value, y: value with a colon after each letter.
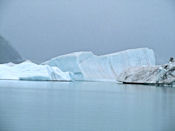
x: 8, y: 53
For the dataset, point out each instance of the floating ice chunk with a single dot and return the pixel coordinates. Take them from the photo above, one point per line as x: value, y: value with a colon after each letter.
x: 162, y: 74
x: 89, y: 67
x: 30, y: 71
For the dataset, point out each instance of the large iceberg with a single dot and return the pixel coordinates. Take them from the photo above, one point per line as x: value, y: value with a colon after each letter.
x: 30, y: 71
x: 89, y: 67
x: 77, y: 66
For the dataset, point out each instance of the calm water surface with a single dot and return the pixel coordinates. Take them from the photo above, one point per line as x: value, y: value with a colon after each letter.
x: 85, y: 106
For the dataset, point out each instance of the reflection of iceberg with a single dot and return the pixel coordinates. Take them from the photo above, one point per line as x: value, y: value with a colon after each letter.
x: 8, y: 53
x: 87, y: 66
x: 30, y: 71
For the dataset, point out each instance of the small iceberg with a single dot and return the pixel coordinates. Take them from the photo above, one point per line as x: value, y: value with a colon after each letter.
x: 30, y: 71
x: 152, y: 75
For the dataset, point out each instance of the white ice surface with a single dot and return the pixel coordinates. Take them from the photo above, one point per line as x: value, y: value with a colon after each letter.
x: 70, y: 63
x: 89, y: 67
x: 30, y: 71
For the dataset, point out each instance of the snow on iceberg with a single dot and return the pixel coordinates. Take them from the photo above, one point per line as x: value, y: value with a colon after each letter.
x: 90, y: 67
x: 30, y: 71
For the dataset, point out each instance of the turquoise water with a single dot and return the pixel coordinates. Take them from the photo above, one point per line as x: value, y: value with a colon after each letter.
x: 85, y: 106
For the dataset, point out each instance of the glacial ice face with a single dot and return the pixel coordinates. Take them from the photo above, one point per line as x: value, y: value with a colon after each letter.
x: 108, y: 67
x: 89, y: 67
x: 30, y: 71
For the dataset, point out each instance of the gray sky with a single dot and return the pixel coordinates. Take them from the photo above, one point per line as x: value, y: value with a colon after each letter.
x: 42, y: 29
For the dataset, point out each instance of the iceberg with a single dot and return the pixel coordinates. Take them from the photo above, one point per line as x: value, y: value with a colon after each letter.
x: 30, y: 71
x: 159, y: 74
x: 89, y: 67
x: 80, y: 66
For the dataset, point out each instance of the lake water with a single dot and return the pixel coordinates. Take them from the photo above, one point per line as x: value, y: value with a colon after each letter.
x: 85, y: 106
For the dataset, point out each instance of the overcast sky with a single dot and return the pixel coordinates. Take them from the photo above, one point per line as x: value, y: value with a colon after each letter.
x: 42, y: 29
